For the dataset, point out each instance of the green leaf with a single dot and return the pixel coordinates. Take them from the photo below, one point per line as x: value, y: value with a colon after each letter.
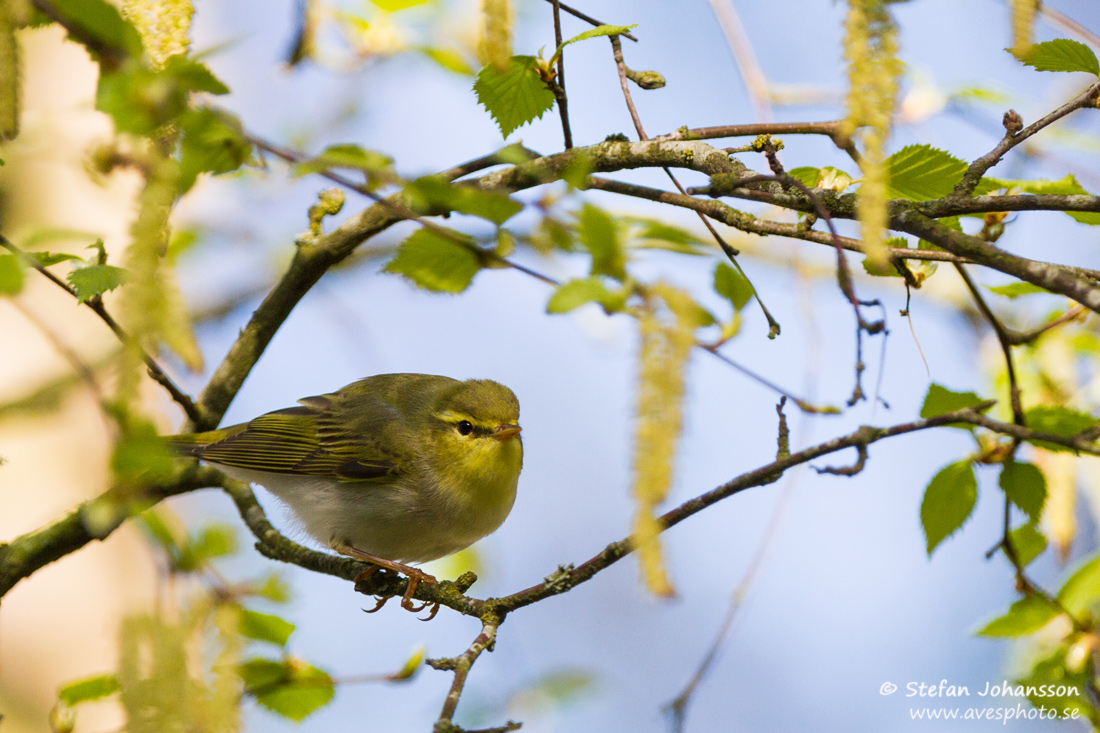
x: 440, y: 194
x: 980, y: 94
x: 100, y: 21
x: 921, y: 172
x: 11, y: 275
x: 392, y: 6
x: 1065, y: 689
x: 1024, y: 616
x: 948, y: 502
x: 1059, y: 421
x: 193, y: 76
x: 646, y: 233
x: 90, y: 688
x: 412, y: 665
x: 732, y: 285
x: 514, y: 96
x: 599, y: 235
x: 259, y: 674
x: 827, y: 177
x: 51, y: 258
x: 1060, y: 54
x: 213, y: 142
x: 1025, y: 486
x: 138, y: 99
x: 564, y: 686
x: 275, y: 588
x: 1066, y: 186
x: 577, y: 171
x: 600, y: 30
x: 1082, y: 590
x: 93, y: 280
x: 213, y: 540
x: 806, y: 175
x: 141, y: 455
x: 1028, y: 542
x: 290, y: 688
x: 155, y: 522
x: 265, y: 627
x: 378, y: 167
x: 941, y: 400
x: 1015, y: 290
x: 141, y: 100
x: 449, y: 59
x: 553, y: 234
x: 1063, y: 186
x: 436, y: 263
x: 886, y: 269
x: 576, y: 293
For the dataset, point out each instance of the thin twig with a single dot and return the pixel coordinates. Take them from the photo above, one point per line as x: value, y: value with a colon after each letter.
x: 830, y: 128
x: 79, y: 366
x: 620, y: 65
x: 586, y: 18
x: 730, y: 252
x: 844, y: 274
x: 1002, y: 339
x: 755, y: 81
x: 96, y: 305
x: 559, y: 83
x: 1016, y: 338
x: 461, y: 667
x: 677, y: 707
x: 404, y: 212
x: 724, y: 213
x: 1012, y: 138
x: 1067, y: 23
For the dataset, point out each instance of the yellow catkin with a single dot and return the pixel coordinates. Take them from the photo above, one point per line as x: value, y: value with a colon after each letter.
x: 495, y: 45
x: 871, y: 48
x: 1023, y: 20
x: 12, y: 15
x: 667, y: 335
x: 176, y: 330
x: 164, y: 25
x: 143, y: 305
x: 1059, y: 523
x: 151, y: 306
x: 168, y: 683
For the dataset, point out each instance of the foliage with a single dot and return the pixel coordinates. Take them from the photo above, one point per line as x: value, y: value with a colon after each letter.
x: 189, y: 664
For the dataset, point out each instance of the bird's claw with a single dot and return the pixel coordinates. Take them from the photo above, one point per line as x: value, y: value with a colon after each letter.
x: 378, y: 607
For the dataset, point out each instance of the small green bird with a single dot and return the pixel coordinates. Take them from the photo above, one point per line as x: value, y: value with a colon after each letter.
x: 392, y: 469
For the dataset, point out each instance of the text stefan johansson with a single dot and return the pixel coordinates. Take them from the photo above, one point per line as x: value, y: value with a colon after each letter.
x: 1005, y: 689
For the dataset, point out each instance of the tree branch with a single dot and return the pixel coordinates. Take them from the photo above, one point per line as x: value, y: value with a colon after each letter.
x: 95, y: 519
x: 1012, y: 138
x: 452, y: 594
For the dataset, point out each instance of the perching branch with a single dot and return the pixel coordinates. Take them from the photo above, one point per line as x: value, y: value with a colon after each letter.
x: 93, y: 520
x: 452, y: 594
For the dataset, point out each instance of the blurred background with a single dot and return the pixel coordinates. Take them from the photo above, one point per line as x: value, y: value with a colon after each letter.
x: 843, y: 597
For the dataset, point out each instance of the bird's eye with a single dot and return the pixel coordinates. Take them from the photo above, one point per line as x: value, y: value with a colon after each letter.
x: 464, y: 428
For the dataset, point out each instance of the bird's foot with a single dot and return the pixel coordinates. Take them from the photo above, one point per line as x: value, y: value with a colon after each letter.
x: 415, y: 576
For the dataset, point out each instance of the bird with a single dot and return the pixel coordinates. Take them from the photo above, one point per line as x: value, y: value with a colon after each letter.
x: 392, y: 469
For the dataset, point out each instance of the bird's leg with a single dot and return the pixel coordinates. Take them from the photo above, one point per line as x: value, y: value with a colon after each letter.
x: 415, y: 576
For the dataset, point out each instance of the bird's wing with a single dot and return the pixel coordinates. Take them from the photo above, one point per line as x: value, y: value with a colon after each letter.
x: 319, y: 438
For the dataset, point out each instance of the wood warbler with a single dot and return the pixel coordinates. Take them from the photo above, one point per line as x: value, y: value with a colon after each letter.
x: 392, y: 469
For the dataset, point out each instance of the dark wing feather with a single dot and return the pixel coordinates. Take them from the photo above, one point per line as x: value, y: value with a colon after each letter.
x: 322, y: 437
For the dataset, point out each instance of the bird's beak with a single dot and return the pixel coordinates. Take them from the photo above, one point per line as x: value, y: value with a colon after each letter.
x: 504, y: 432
